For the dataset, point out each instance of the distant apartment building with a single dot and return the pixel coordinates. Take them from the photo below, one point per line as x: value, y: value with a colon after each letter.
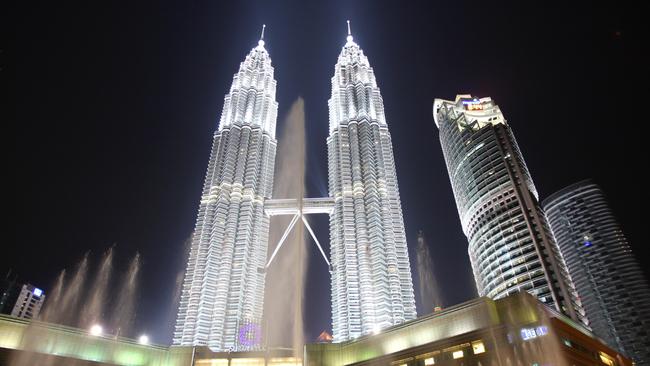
x: 606, y: 275
x: 9, y: 290
x: 29, y: 302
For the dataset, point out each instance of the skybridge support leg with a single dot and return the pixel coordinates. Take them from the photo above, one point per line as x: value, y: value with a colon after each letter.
x: 304, y: 219
x: 284, y: 237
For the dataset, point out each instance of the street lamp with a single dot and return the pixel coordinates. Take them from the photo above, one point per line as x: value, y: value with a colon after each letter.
x: 376, y: 329
x: 96, y: 330
x: 143, y: 339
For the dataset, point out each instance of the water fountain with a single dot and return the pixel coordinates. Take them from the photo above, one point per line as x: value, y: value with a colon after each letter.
x: 82, y: 321
x: 81, y: 302
x: 428, y: 289
x: 285, y: 278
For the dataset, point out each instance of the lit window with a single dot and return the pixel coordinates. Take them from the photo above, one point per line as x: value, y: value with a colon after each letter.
x: 429, y: 361
x: 213, y: 362
x: 606, y: 359
x: 478, y: 347
x: 458, y: 354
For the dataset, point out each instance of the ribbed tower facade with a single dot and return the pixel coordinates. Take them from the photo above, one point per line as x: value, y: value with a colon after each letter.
x: 608, y: 279
x: 511, y: 247
x: 223, y: 291
x: 371, y: 275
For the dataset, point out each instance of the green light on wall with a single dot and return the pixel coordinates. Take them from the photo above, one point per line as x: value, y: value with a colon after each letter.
x: 130, y: 358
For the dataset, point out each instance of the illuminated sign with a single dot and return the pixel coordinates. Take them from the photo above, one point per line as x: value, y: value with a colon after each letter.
x: 531, y: 333
x: 473, y: 101
x: 37, y: 292
x: 473, y: 105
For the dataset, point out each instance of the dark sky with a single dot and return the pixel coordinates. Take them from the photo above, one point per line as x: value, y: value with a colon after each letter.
x: 116, y: 102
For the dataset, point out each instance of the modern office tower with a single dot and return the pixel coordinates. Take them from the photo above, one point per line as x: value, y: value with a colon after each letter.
x: 511, y: 247
x: 29, y: 302
x: 371, y: 275
x: 608, y: 279
x: 223, y: 290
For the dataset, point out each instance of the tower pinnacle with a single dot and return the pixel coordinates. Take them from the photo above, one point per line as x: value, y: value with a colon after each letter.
x: 349, y: 39
x: 261, y: 41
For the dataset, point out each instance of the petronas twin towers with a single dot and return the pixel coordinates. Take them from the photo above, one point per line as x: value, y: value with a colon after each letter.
x: 371, y: 277
x: 223, y: 290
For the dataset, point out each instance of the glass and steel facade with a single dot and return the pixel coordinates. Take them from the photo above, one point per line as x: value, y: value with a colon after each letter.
x: 370, y: 275
x: 223, y: 290
x: 511, y: 248
x: 608, y: 279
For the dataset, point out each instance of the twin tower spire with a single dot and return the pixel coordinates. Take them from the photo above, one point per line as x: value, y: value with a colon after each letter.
x: 223, y: 290
x: 261, y: 41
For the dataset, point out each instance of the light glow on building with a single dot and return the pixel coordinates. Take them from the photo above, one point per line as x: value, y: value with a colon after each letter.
x: 478, y: 347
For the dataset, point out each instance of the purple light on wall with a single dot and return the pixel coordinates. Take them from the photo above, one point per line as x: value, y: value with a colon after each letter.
x: 250, y: 335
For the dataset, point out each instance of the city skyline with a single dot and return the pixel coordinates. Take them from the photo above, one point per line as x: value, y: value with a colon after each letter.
x: 97, y: 164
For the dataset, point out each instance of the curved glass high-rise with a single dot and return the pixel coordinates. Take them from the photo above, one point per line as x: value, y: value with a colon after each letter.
x: 222, y: 294
x: 608, y: 279
x: 371, y: 275
x: 511, y: 248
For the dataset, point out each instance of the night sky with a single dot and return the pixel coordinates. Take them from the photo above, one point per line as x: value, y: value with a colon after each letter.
x: 116, y: 103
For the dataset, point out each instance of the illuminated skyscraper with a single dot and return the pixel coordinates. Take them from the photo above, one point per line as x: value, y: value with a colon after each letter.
x: 223, y: 290
x: 510, y: 244
x: 371, y: 275
x: 608, y: 279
